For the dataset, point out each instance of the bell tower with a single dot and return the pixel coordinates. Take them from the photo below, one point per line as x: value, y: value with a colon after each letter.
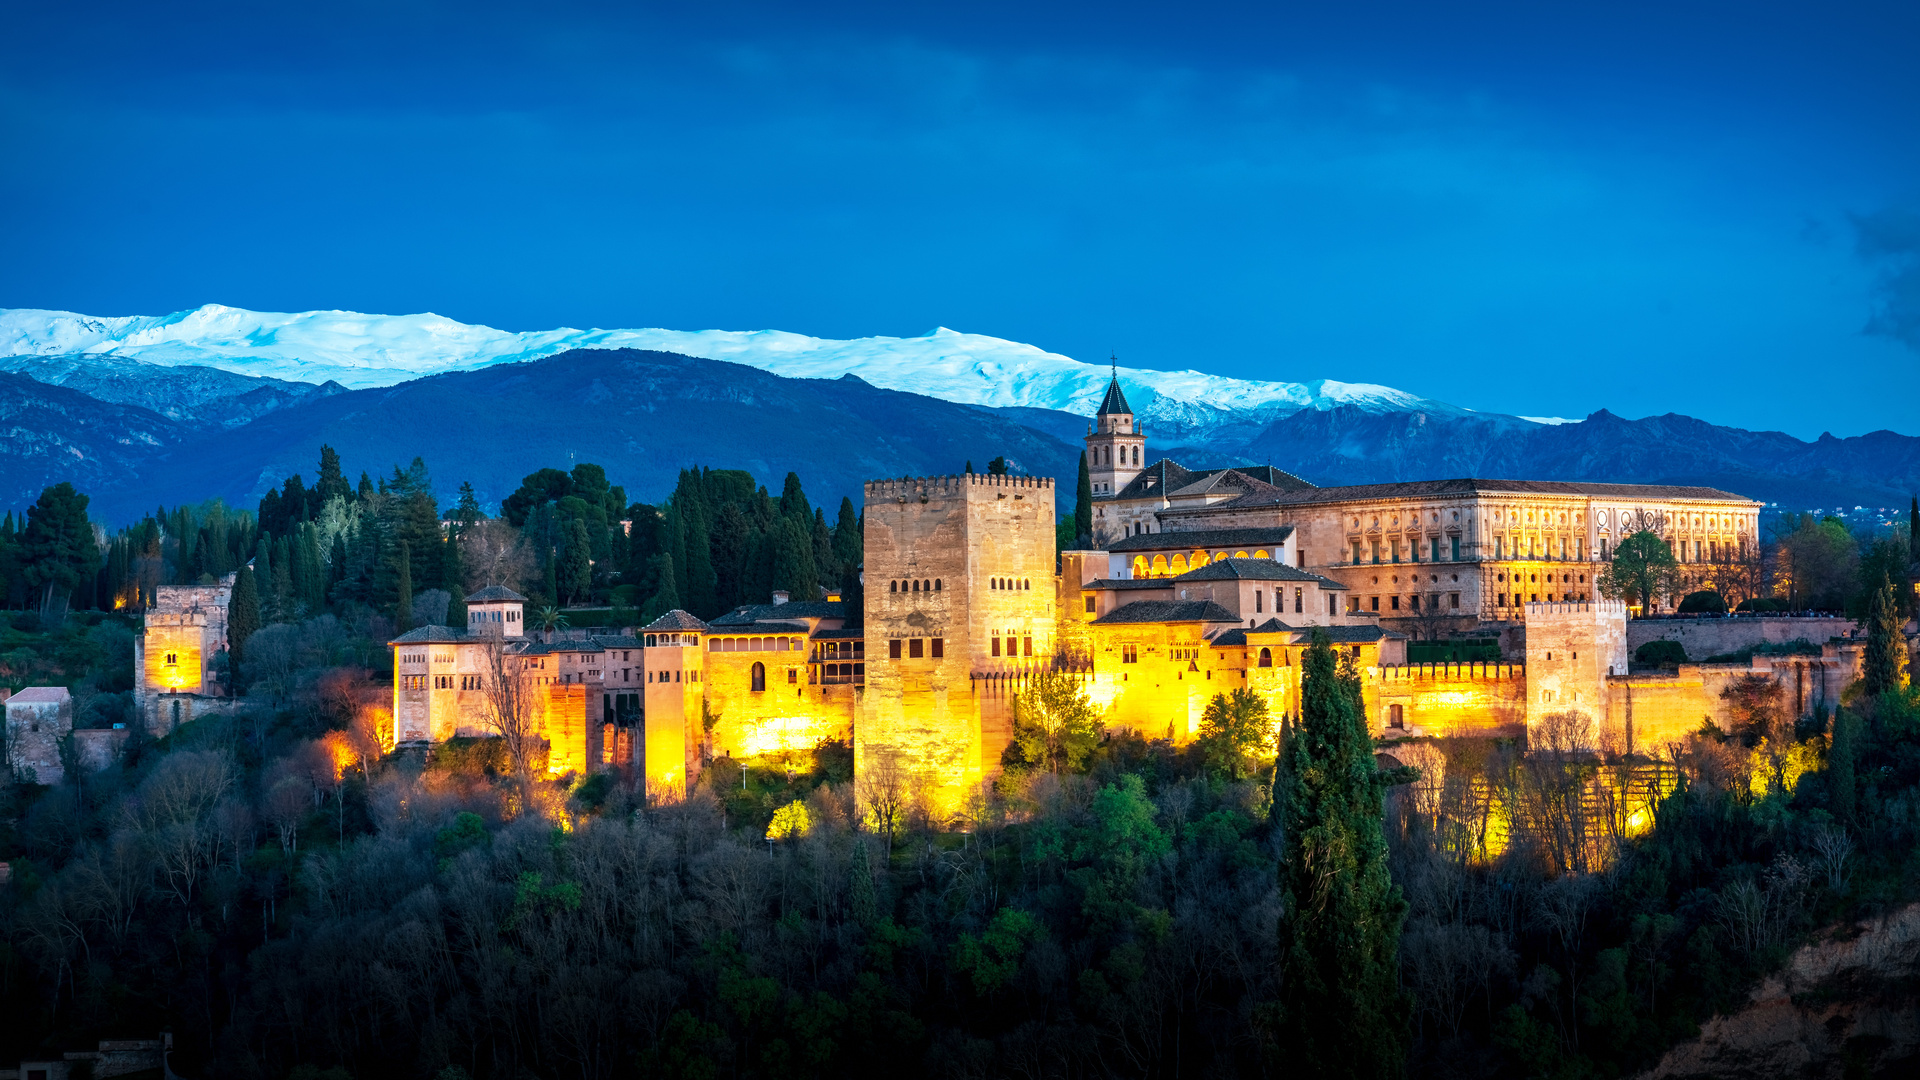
x: 1115, y: 448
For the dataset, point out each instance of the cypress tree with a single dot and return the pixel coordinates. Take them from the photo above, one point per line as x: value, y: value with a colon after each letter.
x: 552, y: 582
x: 243, y: 618
x: 847, y: 540
x: 1884, y: 667
x: 825, y: 566
x: 667, y: 596
x: 576, y: 571
x: 793, y: 501
x: 453, y: 571
x: 1341, y: 1010
x: 284, y: 597
x: 1083, y: 506
x: 314, y: 590
x: 403, y: 607
x: 700, y: 578
x: 1913, y: 531
x: 793, y: 568
x: 1841, y: 754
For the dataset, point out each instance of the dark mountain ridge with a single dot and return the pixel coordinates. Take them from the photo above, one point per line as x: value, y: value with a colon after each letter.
x: 646, y: 415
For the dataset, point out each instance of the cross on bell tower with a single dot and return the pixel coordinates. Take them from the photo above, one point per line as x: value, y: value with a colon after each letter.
x: 1115, y: 448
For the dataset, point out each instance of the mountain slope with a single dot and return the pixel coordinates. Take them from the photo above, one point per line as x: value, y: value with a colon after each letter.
x: 362, y: 351
x: 51, y: 433
x: 188, y: 393
x: 642, y: 415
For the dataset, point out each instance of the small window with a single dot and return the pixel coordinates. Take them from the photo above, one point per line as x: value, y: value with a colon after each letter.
x: 893, y: 649
x: 793, y: 676
x: 1396, y: 718
x: 759, y: 676
x: 1266, y: 657
x: 915, y: 648
x: 1129, y: 654
x: 893, y: 586
x: 1026, y: 646
x: 1090, y: 603
x: 936, y: 584
x: 1299, y: 601
x: 939, y: 647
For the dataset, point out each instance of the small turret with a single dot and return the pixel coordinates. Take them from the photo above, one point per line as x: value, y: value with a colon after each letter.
x: 497, y: 611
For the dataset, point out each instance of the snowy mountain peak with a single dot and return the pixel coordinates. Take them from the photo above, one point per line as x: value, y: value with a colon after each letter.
x: 359, y: 350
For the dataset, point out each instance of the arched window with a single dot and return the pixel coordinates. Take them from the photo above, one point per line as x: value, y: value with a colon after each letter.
x: 916, y: 586
x: 936, y: 584
x: 651, y: 640
x: 926, y: 586
x: 893, y: 586
x: 1266, y: 657
x: 1139, y: 566
x: 759, y: 676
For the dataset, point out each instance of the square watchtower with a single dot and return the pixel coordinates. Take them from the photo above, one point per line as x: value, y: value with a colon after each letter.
x: 959, y: 589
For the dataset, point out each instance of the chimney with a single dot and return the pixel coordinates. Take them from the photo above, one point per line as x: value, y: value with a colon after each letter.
x: 779, y: 596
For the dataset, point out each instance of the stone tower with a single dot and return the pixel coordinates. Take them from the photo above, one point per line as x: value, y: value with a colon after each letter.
x: 672, y: 744
x: 959, y: 589
x: 1114, y: 448
x: 1572, y: 650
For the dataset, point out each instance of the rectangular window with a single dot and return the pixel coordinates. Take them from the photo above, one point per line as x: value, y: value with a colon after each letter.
x: 1394, y: 602
x: 939, y: 648
x: 1579, y: 546
x: 1395, y: 545
x: 996, y: 646
x: 1501, y: 600
x: 1497, y: 546
x: 1331, y: 601
x: 1376, y: 553
x: 1089, y: 605
x: 915, y: 648
x: 1257, y: 594
x: 1453, y: 600
x: 1299, y: 600
x: 1013, y: 646
x: 893, y: 649
x: 1376, y: 603
x: 1026, y: 646
x: 1129, y: 654
x: 1356, y: 553
x: 1434, y: 544
x: 676, y: 676
x: 1456, y: 548
x: 793, y: 676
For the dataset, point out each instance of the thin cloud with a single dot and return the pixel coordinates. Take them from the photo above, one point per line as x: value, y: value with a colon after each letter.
x: 1890, y: 241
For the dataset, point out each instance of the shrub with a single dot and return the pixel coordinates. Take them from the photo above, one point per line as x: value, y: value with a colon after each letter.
x: 1761, y: 603
x: 1660, y: 654
x: 1706, y: 601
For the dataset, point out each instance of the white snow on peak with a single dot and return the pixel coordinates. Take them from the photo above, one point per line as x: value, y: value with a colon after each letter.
x: 361, y: 351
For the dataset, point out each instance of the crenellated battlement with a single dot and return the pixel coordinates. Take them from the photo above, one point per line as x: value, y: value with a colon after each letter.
x: 1591, y: 608
x: 952, y: 486
x: 1464, y: 672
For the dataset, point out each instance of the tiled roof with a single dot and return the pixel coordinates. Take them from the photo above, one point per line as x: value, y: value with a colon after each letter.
x: 437, y: 635
x: 1194, y: 539
x: 764, y: 626
x: 1115, y: 401
x: 42, y: 695
x: 1160, y: 477
x: 1126, y: 584
x: 1253, y: 570
x: 1149, y: 611
x: 675, y: 620
x: 1466, y: 486
x: 747, y: 614
x: 852, y: 632
x: 495, y: 594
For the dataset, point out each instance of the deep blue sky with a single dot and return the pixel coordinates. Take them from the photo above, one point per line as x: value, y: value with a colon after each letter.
x: 1542, y: 209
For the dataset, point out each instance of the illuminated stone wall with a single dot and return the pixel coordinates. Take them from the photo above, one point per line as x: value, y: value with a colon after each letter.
x: 563, y: 723
x: 1476, y: 699
x: 790, y: 715
x: 967, y: 562
x: 184, y: 629
x: 1572, y: 652
x: 1162, y: 691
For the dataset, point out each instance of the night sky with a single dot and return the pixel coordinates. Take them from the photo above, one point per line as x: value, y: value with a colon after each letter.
x: 1542, y: 209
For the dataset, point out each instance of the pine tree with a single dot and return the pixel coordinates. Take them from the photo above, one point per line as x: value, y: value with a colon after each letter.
x: 1083, y: 505
x: 576, y: 570
x: 365, y: 489
x: 467, y: 510
x: 243, y: 618
x: 59, y: 556
x: 1884, y: 667
x: 403, y: 607
x: 332, y: 483
x: 1341, y: 1010
x: 700, y: 578
x: 793, y: 501
x: 314, y: 572
x: 284, y: 597
x: 997, y: 467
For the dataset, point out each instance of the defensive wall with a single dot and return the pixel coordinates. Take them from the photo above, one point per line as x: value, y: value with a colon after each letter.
x: 1487, y: 700
x: 1717, y: 636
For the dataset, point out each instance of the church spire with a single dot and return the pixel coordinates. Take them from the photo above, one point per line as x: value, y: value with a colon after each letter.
x: 1115, y: 403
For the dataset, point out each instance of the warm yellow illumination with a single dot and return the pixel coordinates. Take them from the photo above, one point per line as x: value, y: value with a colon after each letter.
x: 790, y: 822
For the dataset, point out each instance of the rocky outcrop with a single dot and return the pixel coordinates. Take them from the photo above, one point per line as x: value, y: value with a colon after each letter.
x: 1848, y: 1005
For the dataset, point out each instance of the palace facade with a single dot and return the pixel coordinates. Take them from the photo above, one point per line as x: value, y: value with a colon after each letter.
x: 1198, y: 583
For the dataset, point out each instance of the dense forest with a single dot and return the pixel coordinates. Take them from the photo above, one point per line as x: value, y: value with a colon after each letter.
x: 1279, y: 898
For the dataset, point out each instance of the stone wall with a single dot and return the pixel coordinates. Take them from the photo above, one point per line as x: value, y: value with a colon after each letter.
x: 37, y: 719
x: 789, y: 715
x: 1479, y: 699
x: 1712, y: 637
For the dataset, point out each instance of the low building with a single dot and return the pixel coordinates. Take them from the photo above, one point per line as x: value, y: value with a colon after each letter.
x: 39, y: 718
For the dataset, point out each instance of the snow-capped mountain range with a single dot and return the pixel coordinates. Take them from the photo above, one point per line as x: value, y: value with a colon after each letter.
x: 362, y: 351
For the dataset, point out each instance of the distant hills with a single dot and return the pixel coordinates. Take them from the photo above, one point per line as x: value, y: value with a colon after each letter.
x: 180, y: 408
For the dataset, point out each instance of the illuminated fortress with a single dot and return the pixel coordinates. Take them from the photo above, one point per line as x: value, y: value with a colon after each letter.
x: 1197, y: 583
